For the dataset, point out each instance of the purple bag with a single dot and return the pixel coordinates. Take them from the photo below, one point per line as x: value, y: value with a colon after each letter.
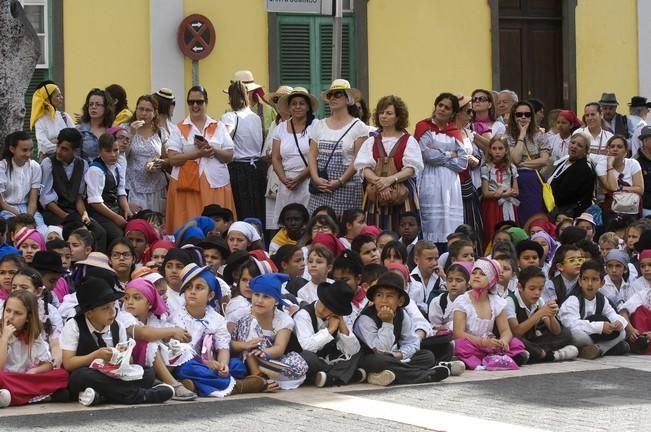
x: 495, y: 362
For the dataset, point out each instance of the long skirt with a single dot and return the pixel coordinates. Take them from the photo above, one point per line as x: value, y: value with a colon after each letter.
x: 300, y: 195
x: 472, y: 355
x: 183, y: 206
x: 641, y: 320
x: 471, y: 212
x: 531, y: 201
x: 207, y: 381
x: 441, y: 205
x: 249, y: 183
x: 492, y: 213
x: 30, y: 388
x: 388, y: 217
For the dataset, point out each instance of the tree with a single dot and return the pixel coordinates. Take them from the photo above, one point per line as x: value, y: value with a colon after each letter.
x: 19, y: 53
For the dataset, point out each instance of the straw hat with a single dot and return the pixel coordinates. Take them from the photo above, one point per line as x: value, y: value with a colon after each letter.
x: 463, y: 100
x: 342, y: 84
x: 282, y: 91
x: 283, y: 103
x: 97, y: 259
x: 247, y: 79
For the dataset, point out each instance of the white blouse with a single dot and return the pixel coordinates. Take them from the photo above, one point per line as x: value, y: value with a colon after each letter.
x: 412, y: 156
x: 216, y: 172
x: 236, y: 309
x: 291, y: 159
x: 211, y: 324
x: 15, y: 187
x: 322, y: 132
x: 47, y: 130
x: 95, y: 180
x: 248, y: 133
x: 474, y: 325
x: 19, y: 358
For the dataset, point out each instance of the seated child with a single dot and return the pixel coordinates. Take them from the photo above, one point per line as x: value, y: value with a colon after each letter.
x: 319, y: 265
x: 91, y: 335
x: 427, y: 270
x: 289, y: 260
x: 441, y: 308
x: 394, y: 253
x: 391, y: 347
x: 477, y: 316
x: 29, y: 241
x: 508, y: 280
x: 26, y: 374
x: 265, y: 333
x: 535, y: 322
x: 174, y: 262
x: 330, y: 349
x: 215, y: 253
x: 364, y: 245
x: 50, y: 267
x: 212, y: 373
x: 384, y: 238
x: 637, y: 309
x: 369, y: 275
x: 596, y: 328
x: 617, y: 288
x: 567, y: 262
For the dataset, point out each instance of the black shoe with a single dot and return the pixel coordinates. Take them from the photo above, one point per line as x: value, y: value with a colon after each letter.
x: 61, y: 395
x: 159, y: 393
x: 622, y: 348
x: 359, y: 376
x: 522, y: 358
x: 640, y: 345
x: 438, y: 373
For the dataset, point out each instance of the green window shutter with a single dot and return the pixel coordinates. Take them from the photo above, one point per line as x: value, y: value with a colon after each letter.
x: 294, y: 53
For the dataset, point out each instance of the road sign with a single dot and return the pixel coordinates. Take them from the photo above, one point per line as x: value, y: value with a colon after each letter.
x: 196, y: 37
x: 319, y: 7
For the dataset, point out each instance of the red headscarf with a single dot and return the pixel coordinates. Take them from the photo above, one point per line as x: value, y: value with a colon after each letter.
x: 371, y: 230
x: 570, y: 117
x: 546, y: 225
x: 158, y: 244
x: 151, y: 235
x: 330, y: 242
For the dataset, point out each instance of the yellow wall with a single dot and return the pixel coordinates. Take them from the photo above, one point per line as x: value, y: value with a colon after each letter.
x: 606, y: 51
x: 105, y: 42
x: 420, y: 48
x: 241, y: 43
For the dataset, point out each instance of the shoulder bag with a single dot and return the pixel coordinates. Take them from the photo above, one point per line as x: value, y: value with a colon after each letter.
x: 323, y: 173
x: 386, y: 167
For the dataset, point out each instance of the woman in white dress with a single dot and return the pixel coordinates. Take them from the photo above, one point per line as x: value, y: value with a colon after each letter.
x: 46, y: 117
x: 441, y: 145
x: 291, y: 147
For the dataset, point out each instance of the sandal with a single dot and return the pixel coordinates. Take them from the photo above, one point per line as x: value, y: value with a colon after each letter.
x: 250, y: 384
x: 271, y: 386
x: 181, y: 393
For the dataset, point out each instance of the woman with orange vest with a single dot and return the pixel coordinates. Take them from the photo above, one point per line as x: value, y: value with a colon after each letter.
x: 198, y: 150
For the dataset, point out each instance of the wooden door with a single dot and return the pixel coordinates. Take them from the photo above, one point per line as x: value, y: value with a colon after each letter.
x: 531, y: 51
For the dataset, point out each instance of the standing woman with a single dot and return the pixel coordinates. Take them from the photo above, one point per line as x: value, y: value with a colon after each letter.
x: 530, y: 152
x: 145, y: 158
x: 334, y: 144
x: 248, y: 173
x: 198, y: 150
x: 484, y: 122
x: 594, y: 128
x: 441, y: 145
x: 392, y: 118
x: 618, y: 173
x: 290, y: 148
x: 47, y: 118
x: 166, y: 104
x: 97, y: 116
x: 120, y: 104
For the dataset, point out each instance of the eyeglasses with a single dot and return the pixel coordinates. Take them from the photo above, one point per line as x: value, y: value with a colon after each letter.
x: 335, y: 94
x: 95, y: 104
x: 574, y: 260
x: 519, y: 114
x: 121, y: 255
x: 321, y: 228
x: 199, y: 102
x: 480, y: 99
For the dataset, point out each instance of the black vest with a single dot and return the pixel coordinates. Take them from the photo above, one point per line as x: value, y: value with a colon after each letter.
x: 522, y: 316
x: 87, y: 341
x: 562, y: 292
x: 371, y: 312
x: 601, y: 302
x: 110, y: 191
x: 67, y: 189
x: 330, y: 349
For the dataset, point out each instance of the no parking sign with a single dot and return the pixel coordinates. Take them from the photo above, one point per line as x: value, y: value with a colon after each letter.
x: 196, y: 37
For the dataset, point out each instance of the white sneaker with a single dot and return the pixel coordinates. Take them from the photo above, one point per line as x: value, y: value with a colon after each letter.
x: 383, y: 378
x: 89, y: 397
x: 320, y: 379
x: 456, y: 367
x: 568, y: 352
x: 5, y: 398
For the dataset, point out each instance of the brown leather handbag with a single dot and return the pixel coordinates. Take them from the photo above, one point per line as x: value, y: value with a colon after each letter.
x: 386, y: 167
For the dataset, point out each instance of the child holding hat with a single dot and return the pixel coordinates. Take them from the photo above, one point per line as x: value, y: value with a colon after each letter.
x: 90, y: 335
x: 330, y: 349
x: 477, y: 313
x: 264, y: 334
x: 391, y: 348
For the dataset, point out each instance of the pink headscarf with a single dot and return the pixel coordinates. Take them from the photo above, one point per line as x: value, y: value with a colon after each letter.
x: 144, y: 227
x: 330, y: 242
x: 146, y: 288
x: 26, y: 233
x: 371, y: 230
x: 401, y: 268
x: 490, y: 268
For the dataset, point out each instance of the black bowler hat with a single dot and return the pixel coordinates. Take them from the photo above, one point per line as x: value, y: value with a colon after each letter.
x: 215, y: 242
x: 336, y: 296
x: 47, y: 262
x: 95, y: 292
x: 389, y: 280
x: 639, y: 101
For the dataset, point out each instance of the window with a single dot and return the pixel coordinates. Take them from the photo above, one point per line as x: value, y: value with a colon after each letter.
x: 304, y: 50
x: 37, y: 14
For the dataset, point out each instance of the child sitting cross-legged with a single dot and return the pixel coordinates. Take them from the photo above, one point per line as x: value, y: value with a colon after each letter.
x: 596, y: 328
x: 480, y: 324
x: 329, y: 347
x: 440, y: 309
x: 391, y: 346
x: 535, y: 322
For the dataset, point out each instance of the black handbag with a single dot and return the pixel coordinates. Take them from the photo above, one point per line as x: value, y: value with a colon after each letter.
x: 323, y: 173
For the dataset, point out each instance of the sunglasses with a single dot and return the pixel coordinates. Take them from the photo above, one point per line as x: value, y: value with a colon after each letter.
x: 480, y: 99
x: 574, y: 260
x: 335, y: 94
x: 523, y: 114
x: 199, y: 102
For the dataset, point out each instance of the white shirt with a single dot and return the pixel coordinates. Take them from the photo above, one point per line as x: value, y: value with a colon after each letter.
x: 635, y: 137
x: 19, y: 358
x: 597, y: 144
x: 236, y: 309
x: 95, y: 180
x: 510, y: 306
x: 569, y: 315
x: 559, y: 146
x: 631, y: 167
x: 474, y: 325
x: 70, y: 336
x: 247, y: 138
x: 431, y: 283
x: 175, y: 301
x: 47, y: 130
x: 15, y: 187
x: 616, y: 296
x: 48, y: 194
x: 216, y: 172
x: 322, y: 132
x: 412, y: 156
x: 210, y: 324
x: 314, y: 341
x: 437, y: 317
x: 289, y: 156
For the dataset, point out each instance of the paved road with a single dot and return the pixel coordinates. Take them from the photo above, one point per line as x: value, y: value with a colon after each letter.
x: 610, y: 394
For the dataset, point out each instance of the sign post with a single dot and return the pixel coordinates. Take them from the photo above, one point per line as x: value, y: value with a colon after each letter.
x: 196, y: 39
x: 336, y: 39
